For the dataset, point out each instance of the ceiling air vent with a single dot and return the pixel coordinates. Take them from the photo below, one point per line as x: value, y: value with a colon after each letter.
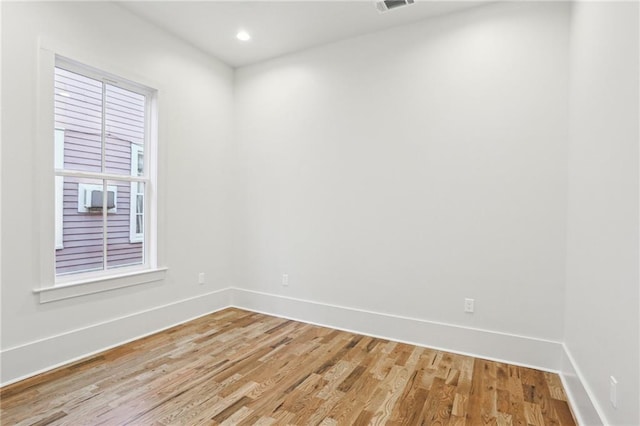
x: 386, y: 5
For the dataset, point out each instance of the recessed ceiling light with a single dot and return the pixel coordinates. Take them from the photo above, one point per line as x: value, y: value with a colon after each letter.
x: 243, y: 35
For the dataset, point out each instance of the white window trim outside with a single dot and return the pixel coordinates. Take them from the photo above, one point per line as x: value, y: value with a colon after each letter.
x: 49, y: 288
x: 135, y: 237
x: 59, y: 210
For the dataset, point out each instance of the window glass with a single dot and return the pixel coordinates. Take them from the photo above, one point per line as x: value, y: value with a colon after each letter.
x: 78, y: 110
x: 100, y: 172
x: 124, y: 126
x: 83, y: 230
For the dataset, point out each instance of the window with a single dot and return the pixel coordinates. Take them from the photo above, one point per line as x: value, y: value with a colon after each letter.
x: 102, y: 179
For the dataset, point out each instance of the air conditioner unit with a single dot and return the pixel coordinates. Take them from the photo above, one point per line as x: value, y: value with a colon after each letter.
x: 93, y: 199
x: 90, y: 198
x: 386, y: 5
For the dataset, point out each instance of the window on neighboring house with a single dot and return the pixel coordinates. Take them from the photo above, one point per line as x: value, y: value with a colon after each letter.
x: 102, y: 178
x: 136, y: 212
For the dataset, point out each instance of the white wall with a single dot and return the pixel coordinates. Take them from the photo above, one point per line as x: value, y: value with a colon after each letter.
x: 402, y: 171
x: 397, y: 172
x: 195, y: 103
x: 602, y: 315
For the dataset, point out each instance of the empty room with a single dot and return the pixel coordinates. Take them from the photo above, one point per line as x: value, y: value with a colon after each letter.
x: 320, y: 212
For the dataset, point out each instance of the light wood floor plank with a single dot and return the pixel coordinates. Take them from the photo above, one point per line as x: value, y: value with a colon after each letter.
x: 236, y: 367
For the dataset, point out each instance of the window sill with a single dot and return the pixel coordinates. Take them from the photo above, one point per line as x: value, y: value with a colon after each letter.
x: 98, y: 285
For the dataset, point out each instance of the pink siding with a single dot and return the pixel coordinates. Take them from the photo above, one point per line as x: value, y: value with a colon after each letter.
x: 78, y: 106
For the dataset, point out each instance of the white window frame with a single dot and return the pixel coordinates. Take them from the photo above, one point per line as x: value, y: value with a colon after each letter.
x: 54, y: 287
x: 135, y: 237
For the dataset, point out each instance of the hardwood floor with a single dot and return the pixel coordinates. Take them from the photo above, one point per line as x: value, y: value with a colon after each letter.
x: 235, y: 367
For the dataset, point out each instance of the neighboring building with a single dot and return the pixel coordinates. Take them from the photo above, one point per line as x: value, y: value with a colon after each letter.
x: 80, y: 240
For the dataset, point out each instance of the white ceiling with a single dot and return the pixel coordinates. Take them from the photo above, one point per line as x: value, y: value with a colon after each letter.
x: 278, y: 27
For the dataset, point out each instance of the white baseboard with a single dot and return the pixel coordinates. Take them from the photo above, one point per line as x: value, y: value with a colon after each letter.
x: 23, y: 361
x: 585, y: 406
x: 27, y: 360
x: 519, y: 350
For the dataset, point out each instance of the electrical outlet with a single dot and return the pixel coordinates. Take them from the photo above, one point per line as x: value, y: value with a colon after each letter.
x: 285, y: 280
x: 613, y: 391
x: 201, y: 278
x: 469, y: 305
